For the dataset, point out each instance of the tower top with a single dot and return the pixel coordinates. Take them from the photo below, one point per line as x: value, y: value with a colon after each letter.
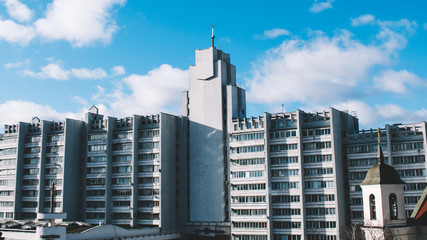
x: 213, y: 36
x: 380, y: 152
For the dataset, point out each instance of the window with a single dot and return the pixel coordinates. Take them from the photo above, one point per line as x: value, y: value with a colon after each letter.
x: 148, y: 204
x: 122, y: 146
x: 29, y: 161
x: 148, y: 192
x: 319, y: 184
x: 252, y: 237
x: 393, y: 206
x: 320, y: 211
x: 8, y: 151
x: 148, y: 156
x: 8, y: 171
x: 95, y: 181
x: 31, y: 171
x: 145, y: 180
x: 247, y: 149
x: 122, y: 135
x: 286, y: 225
x: 121, y: 181
x: 286, y: 237
x: 95, y: 204
x: 247, y: 137
x: 245, y: 187
x: 283, y: 134
x: 148, y: 133
x: 97, y: 159
x: 284, y: 185
x: 53, y: 170
x: 11, y: 161
x: 55, y: 138
x: 122, y: 169
x: 316, y: 145
x: 32, y: 139
x: 286, y: 211
x: 250, y: 161
x: 249, y: 225
x: 122, y: 192
x: 121, y: 203
x: 7, y: 193
x: 122, y: 158
x: 372, y: 207
x: 95, y: 193
x: 319, y: 198
x: 248, y: 212
x: 97, y: 136
x: 55, y: 149
x: 285, y: 198
x: 96, y: 148
x: 284, y: 172
x: 30, y: 150
x: 148, y: 168
x: 317, y: 158
x: 317, y: 171
x: 50, y: 160
x: 283, y: 160
x: 95, y: 215
x: 248, y: 199
x: 283, y: 147
x: 320, y: 224
x: 148, y: 145
x: 96, y: 170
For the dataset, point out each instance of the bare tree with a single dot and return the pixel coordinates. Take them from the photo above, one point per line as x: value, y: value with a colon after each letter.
x: 357, y: 232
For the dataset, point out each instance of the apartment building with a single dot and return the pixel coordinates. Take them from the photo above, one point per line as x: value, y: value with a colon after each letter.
x: 106, y: 170
x: 287, y: 178
x: 403, y: 147
x: 32, y: 157
x: 133, y: 170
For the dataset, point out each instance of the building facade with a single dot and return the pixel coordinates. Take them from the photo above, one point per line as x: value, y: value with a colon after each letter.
x: 210, y: 173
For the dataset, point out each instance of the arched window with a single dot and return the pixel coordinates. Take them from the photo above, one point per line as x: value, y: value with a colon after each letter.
x: 392, y: 199
x: 372, y: 207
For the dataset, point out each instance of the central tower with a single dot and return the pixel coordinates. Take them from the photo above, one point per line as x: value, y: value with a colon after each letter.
x: 210, y: 104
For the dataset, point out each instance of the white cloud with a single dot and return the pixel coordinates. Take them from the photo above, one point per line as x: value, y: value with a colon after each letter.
x: 118, y: 70
x: 56, y: 71
x: 84, y: 73
x: 363, y: 20
x: 14, y: 111
x: 320, y: 6
x: 17, y: 64
x: 320, y: 69
x: 16, y: 33
x: 396, y: 81
x: 325, y: 69
x: 18, y: 10
x: 159, y: 90
x: 80, y: 22
x: 273, y: 33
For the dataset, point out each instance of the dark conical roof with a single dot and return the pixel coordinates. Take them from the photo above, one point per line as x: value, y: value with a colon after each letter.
x: 381, y: 173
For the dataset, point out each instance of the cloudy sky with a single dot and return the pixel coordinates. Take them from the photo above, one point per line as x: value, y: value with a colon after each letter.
x: 60, y: 57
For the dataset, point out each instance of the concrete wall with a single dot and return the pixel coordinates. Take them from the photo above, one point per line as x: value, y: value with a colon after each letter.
x: 73, y: 171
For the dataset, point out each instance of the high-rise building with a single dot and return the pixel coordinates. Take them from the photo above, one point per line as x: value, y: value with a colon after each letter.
x: 210, y: 173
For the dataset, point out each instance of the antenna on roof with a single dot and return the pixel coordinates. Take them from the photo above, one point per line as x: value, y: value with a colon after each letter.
x: 213, y: 36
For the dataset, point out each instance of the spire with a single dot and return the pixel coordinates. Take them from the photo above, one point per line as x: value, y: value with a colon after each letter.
x: 380, y: 151
x: 213, y: 36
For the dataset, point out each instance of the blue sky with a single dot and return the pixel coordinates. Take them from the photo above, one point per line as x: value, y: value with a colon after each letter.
x: 60, y: 57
